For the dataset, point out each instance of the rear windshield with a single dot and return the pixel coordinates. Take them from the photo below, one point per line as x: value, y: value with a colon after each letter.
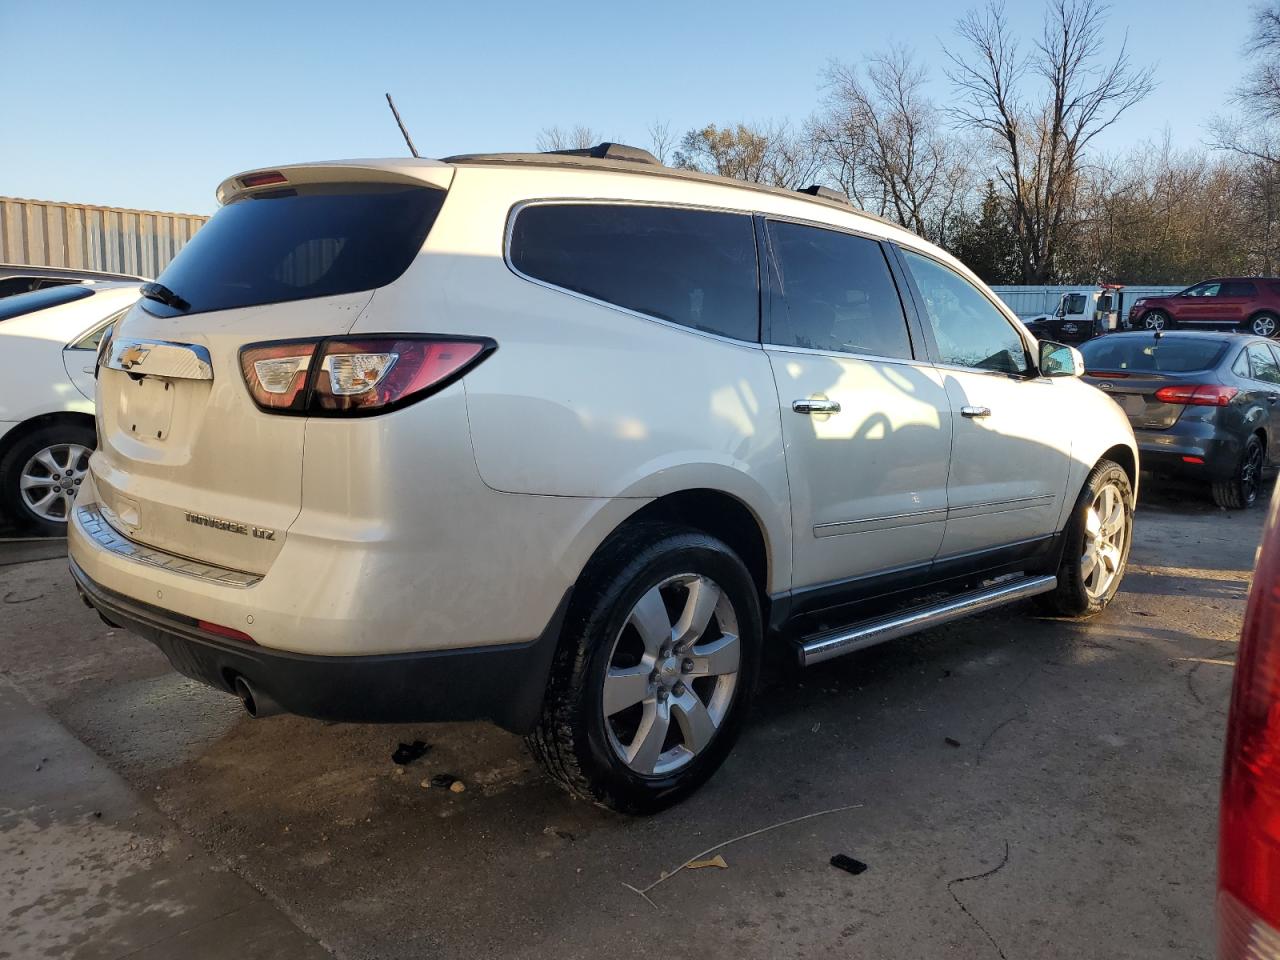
x: 316, y: 240
x: 1166, y: 355
x: 21, y: 303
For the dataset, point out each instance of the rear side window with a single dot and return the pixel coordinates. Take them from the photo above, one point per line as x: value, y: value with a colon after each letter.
x: 1167, y: 354
x: 1263, y: 363
x: 23, y: 303
x: 315, y: 240
x: 839, y: 295
x: 1238, y: 288
x: 696, y: 268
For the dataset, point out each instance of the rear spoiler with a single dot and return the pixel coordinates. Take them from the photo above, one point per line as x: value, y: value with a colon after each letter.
x: 267, y: 179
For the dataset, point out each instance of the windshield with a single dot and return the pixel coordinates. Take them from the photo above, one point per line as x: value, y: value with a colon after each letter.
x: 1164, y: 355
x: 22, y: 303
x: 1072, y: 303
x: 315, y: 240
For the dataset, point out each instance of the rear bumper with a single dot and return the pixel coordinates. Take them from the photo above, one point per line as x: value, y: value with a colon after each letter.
x: 503, y: 683
x: 1164, y: 452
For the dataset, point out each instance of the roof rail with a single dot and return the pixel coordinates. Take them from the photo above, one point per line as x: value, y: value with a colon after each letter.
x: 817, y: 190
x: 612, y: 151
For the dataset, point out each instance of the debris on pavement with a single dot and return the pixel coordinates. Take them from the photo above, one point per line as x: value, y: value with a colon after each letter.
x: 557, y: 832
x: 457, y: 786
x: 952, y: 742
x: 644, y: 891
x: 849, y: 865
x: 716, y: 861
x: 407, y: 753
x: 444, y: 781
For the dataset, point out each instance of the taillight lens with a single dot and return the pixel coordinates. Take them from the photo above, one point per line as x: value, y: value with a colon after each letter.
x: 356, y: 376
x: 1197, y: 395
x: 1249, y: 840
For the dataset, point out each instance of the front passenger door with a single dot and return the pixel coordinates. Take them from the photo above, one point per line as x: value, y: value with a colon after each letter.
x: 1011, y: 452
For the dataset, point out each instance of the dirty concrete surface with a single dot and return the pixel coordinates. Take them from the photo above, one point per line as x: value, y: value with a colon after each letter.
x: 1026, y: 788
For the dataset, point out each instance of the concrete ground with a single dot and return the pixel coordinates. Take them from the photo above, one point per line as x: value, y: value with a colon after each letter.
x: 1025, y: 788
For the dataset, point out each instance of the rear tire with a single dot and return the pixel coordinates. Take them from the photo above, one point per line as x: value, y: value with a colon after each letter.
x: 639, y: 712
x: 1096, y: 542
x: 1264, y: 325
x: 1240, y: 490
x: 41, y: 474
x: 1156, y: 320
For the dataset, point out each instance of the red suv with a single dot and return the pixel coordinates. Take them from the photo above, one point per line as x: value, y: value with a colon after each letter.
x: 1246, y: 303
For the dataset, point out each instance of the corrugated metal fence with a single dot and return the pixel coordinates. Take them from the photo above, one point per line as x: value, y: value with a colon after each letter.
x: 1029, y: 302
x: 44, y: 233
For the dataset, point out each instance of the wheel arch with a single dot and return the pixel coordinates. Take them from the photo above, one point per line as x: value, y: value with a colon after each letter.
x: 1263, y: 311
x: 27, y: 427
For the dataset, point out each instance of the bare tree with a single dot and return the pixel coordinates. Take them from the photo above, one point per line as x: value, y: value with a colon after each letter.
x: 660, y: 140
x: 1254, y: 134
x: 1040, y: 140
x: 576, y: 138
x: 771, y: 154
x: 884, y: 143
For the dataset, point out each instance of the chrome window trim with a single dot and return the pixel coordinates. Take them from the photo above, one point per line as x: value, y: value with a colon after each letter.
x: 95, y: 525
x: 869, y: 357
x: 518, y: 208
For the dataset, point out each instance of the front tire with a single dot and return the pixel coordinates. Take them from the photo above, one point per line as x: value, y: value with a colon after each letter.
x: 1240, y: 490
x: 655, y: 670
x: 1096, y: 545
x: 41, y: 474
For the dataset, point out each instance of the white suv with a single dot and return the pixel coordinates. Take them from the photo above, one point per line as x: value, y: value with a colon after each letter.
x: 566, y: 442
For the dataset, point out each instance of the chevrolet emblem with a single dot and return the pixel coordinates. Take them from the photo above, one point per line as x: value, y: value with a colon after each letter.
x: 132, y: 356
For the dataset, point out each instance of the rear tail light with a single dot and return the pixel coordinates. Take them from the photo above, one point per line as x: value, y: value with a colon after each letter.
x: 1201, y: 395
x: 356, y: 376
x: 1249, y: 841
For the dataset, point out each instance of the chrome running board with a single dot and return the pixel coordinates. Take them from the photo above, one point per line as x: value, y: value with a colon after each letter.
x: 835, y: 643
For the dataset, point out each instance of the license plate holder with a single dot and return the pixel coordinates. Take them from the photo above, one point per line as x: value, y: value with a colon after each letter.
x: 146, y: 409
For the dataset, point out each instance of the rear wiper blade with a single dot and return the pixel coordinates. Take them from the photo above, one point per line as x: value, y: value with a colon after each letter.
x: 162, y: 294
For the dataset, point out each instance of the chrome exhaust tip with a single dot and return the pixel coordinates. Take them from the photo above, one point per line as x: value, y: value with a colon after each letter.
x: 256, y: 703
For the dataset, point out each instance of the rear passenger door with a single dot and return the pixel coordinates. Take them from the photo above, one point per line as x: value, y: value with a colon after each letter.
x: 1264, y: 370
x: 865, y: 418
x: 1233, y: 301
x: 1013, y: 429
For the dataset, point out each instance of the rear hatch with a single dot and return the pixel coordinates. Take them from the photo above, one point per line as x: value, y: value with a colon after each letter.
x: 187, y: 462
x: 1132, y: 368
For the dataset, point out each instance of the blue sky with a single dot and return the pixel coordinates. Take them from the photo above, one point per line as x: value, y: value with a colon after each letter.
x: 151, y: 104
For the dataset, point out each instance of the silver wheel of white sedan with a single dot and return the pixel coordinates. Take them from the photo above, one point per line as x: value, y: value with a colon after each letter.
x: 1105, y: 535
x: 50, y: 479
x: 672, y: 674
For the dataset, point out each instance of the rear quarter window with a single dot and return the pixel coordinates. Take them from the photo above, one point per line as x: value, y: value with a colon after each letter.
x: 696, y: 268
x: 314, y: 240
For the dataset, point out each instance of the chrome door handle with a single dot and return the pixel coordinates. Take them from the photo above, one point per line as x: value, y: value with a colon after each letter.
x: 974, y: 412
x: 813, y: 405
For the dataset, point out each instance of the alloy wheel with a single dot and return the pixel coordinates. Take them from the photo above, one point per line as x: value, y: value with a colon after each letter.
x: 1263, y: 326
x: 49, y: 481
x: 1155, y: 320
x: 1251, y: 473
x: 672, y: 674
x: 1106, y: 532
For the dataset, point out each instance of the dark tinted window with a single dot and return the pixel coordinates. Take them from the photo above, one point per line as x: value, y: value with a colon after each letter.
x: 970, y: 331
x: 1168, y: 354
x: 692, y: 267
x: 21, y: 303
x: 1238, y: 288
x: 838, y: 292
x: 1263, y: 363
x: 313, y: 241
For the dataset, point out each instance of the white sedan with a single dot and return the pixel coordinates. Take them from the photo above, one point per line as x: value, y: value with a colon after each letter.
x: 48, y: 344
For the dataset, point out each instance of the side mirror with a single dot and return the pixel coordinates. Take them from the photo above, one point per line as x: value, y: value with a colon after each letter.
x: 1060, y: 360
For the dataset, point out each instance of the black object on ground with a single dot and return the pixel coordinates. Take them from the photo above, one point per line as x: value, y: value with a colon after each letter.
x: 444, y: 780
x: 952, y: 742
x: 406, y: 753
x: 842, y: 862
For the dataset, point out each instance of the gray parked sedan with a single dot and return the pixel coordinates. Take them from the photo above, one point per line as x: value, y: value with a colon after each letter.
x: 1203, y: 405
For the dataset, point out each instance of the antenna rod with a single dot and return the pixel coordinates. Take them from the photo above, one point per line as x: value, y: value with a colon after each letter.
x: 407, y: 139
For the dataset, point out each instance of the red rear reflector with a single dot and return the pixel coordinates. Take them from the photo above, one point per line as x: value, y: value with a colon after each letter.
x: 227, y: 632
x: 1249, y: 838
x: 1193, y: 459
x: 262, y: 179
x: 1197, y: 395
